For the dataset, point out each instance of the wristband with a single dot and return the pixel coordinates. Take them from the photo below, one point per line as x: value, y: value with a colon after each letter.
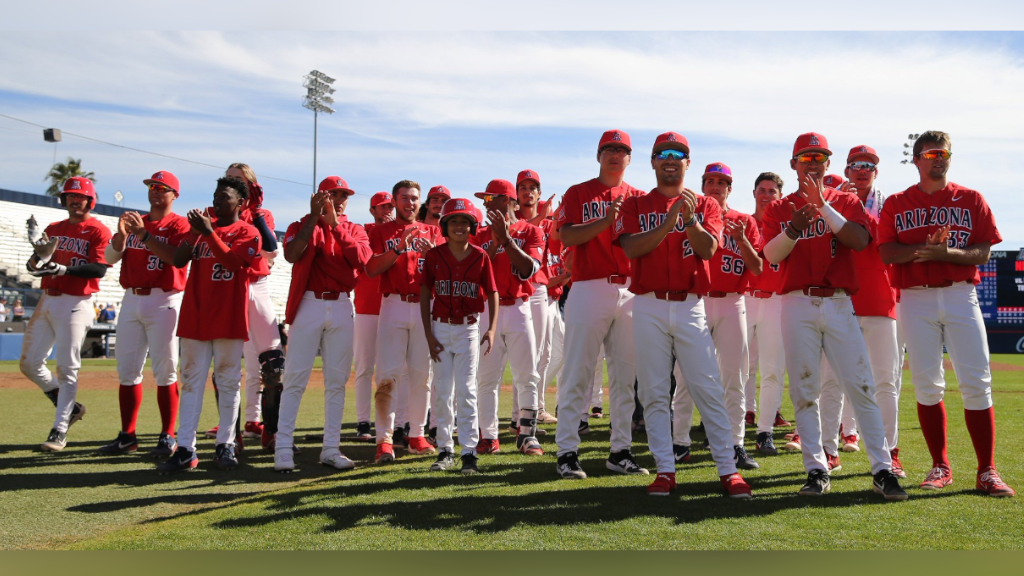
x: 691, y: 221
x: 790, y: 231
x: 399, y: 252
x: 834, y: 219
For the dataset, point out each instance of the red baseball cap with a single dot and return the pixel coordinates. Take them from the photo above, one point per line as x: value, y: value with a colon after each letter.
x: 673, y: 140
x: 334, y: 183
x: 614, y: 137
x: 810, y: 142
x: 381, y: 198
x: 499, y: 187
x: 718, y: 169
x: 862, y: 150
x: 833, y: 181
x: 438, y: 190
x: 528, y: 175
x: 167, y: 179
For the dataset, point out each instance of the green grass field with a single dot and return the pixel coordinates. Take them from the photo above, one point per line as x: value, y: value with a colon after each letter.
x: 77, y: 499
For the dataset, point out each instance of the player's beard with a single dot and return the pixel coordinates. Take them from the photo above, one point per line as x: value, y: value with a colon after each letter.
x: 665, y: 179
x: 938, y: 171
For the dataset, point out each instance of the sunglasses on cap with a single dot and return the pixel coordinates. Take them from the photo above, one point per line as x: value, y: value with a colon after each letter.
x: 674, y: 154
x: 816, y: 157
x: 933, y: 154
x: 154, y: 187
x: 869, y: 166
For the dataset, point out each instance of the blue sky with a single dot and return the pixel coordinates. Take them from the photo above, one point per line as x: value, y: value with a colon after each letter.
x: 460, y: 108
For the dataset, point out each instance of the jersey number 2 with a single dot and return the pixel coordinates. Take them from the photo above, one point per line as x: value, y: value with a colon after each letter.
x: 220, y: 274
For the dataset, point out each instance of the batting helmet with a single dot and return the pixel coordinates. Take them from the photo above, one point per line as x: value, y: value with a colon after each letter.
x: 457, y: 206
x: 833, y: 181
x: 79, y: 185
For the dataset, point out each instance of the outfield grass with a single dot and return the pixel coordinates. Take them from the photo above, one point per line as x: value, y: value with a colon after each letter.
x: 76, y: 499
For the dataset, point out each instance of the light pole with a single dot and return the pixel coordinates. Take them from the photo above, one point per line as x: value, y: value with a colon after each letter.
x: 318, y: 90
x: 909, y: 148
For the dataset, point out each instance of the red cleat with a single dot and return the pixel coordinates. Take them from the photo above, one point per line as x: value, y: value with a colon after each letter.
x: 488, y: 446
x: 897, y: 466
x: 937, y: 479
x: 834, y: 465
x: 736, y: 486
x: 663, y: 483
x: 850, y: 443
x: 751, y: 418
x: 253, y: 430
x: 419, y: 445
x: 990, y: 483
x: 385, y: 453
x: 794, y: 444
x: 780, y: 421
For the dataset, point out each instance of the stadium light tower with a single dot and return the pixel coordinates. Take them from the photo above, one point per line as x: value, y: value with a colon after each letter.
x: 909, y: 148
x: 318, y: 99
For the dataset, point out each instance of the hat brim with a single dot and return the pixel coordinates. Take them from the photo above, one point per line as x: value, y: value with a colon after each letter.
x: 812, y: 149
x: 149, y: 181
x: 534, y: 180
x: 852, y: 157
x: 349, y: 190
x: 670, y: 146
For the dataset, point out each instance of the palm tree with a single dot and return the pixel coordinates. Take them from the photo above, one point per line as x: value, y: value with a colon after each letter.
x: 62, y: 171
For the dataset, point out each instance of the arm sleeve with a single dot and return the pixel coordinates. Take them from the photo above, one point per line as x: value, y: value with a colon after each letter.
x: 91, y: 270
x: 267, y: 236
x: 233, y: 258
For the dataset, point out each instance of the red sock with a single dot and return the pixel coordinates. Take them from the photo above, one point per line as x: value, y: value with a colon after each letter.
x: 167, y: 400
x: 130, y: 398
x: 981, y: 424
x: 933, y: 426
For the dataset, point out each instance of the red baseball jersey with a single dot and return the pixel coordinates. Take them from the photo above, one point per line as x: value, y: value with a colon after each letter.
x: 77, y: 244
x: 405, y: 275
x: 553, y: 252
x: 140, y: 268
x: 367, y: 292
x: 459, y: 288
x: 768, y: 281
x: 260, y: 267
x: 819, y: 259
x: 216, y: 300
x: 876, y: 296
x: 586, y: 202
x: 333, y: 260
x: 728, y: 270
x: 672, y: 266
x: 910, y: 216
x: 542, y: 275
x: 529, y: 238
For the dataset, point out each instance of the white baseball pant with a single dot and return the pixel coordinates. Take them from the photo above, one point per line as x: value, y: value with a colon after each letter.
x: 148, y: 324
x: 542, y: 337
x: 514, y: 344
x: 263, y: 335
x: 931, y: 317
x: 682, y: 410
x: 455, y: 383
x: 597, y: 390
x: 666, y: 328
x: 402, y: 342
x: 811, y: 324
x: 364, y: 350
x: 553, y: 372
x: 750, y: 391
x: 59, y: 322
x: 596, y: 313
x: 328, y: 326
x: 226, y: 354
x: 771, y: 360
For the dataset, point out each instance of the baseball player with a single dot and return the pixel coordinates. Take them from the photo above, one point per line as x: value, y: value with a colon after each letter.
x: 145, y: 245
x: 935, y: 234
x: 367, y: 305
x: 528, y: 196
x: 327, y: 253
x: 669, y: 235
x: 458, y: 276
x: 213, y: 323
x: 263, y: 347
x: 734, y: 262
x: 69, y: 259
x: 434, y: 201
x: 813, y: 234
x: 398, y: 249
x: 599, y: 309
x: 515, y: 249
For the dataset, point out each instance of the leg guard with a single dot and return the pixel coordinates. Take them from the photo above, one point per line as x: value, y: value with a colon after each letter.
x: 271, y: 371
x: 527, y: 426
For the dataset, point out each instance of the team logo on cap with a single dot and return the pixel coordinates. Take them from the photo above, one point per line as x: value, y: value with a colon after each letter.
x: 527, y: 174
x: 671, y: 138
x: 814, y: 141
x: 616, y: 136
x: 460, y: 205
x: 75, y: 185
x: 158, y: 176
x: 864, y: 149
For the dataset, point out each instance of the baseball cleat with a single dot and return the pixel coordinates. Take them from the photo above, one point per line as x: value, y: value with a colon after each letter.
x: 335, y: 459
x: 469, y: 464
x: 77, y: 413
x: 663, y: 484
x: 531, y: 447
x: 165, y: 446
x: 990, y: 483
x: 794, y: 444
x: 55, y: 442
x: 743, y: 460
x: 780, y: 421
x: 938, y: 478
x: 681, y: 453
x: 212, y: 432
x: 597, y: 412
x: 568, y: 467
x: 850, y: 443
x: 888, y: 485
x: 546, y: 418
x: 751, y: 418
x: 225, y: 457
x: 385, y: 453
x: 897, y: 466
x: 834, y: 465
x: 284, y: 461
x: 419, y: 445
x: 183, y: 460
x: 818, y: 483
x: 123, y: 444
x: 736, y: 487
x: 488, y: 446
x: 363, y: 430
x: 445, y: 460
x: 789, y: 435
x: 765, y: 444
x: 253, y: 430
x: 623, y: 463
x: 584, y: 427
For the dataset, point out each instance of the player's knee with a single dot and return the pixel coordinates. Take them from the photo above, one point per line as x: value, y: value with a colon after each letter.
x: 930, y: 395
x: 28, y: 368
x: 976, y: 398
x: 271, y: 367
x: 384, y: 389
